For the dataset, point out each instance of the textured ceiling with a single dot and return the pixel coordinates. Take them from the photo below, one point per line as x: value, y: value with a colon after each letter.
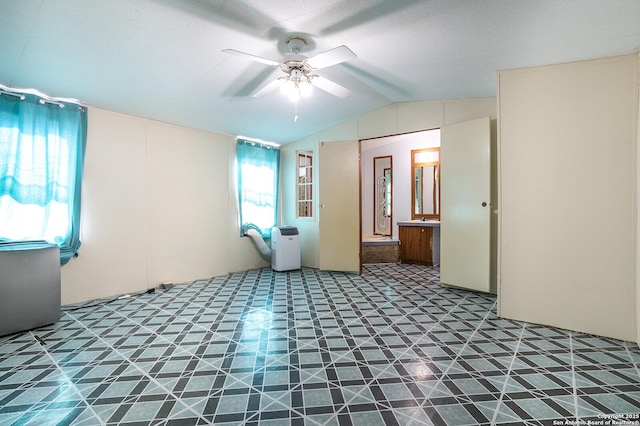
x: 163, y: 60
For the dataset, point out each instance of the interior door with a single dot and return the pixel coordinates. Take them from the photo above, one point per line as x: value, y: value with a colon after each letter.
x: 339, y: 195
x: 465, y: 217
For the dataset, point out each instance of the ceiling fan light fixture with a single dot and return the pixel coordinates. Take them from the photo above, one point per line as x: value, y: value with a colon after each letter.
x: 296, y: 86
x: 305, y: 88
x: 291, y: 89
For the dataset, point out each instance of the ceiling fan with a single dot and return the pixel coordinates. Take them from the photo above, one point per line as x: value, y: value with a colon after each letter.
x: 299, y: 76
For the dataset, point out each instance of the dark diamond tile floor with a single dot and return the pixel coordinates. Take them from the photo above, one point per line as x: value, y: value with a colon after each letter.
x: 390, y: 347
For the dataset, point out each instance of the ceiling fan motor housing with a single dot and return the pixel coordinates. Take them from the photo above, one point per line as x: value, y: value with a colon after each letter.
x: 296, y: 44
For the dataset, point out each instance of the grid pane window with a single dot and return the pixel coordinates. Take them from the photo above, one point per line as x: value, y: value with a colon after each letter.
x: 304, y: 197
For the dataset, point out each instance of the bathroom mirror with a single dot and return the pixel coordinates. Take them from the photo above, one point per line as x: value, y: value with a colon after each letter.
x: 382, y: 199
x: 425, y: 183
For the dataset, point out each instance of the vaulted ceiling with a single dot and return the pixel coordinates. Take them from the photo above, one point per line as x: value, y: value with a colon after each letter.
x: 163, y: 59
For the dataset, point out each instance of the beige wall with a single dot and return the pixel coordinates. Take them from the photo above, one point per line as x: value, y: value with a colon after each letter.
x: 391, y: 120
x: 159, y: 201
x: 568, y: 167
x: 159, y: 205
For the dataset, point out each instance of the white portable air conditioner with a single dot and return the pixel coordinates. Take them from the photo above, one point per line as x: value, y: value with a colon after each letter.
x: 285, y: 248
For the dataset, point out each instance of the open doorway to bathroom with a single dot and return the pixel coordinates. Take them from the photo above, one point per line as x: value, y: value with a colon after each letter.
x: 386, y: 182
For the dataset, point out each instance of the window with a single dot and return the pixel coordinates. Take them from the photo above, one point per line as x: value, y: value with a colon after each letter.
x: 304, y: 191
x: 42, y: 145
x: 258, y: 173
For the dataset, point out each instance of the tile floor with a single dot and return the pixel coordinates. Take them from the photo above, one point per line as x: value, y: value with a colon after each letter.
x: 390, y: 347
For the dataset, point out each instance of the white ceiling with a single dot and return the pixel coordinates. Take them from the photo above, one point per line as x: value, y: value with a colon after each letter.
x: 162, y: 59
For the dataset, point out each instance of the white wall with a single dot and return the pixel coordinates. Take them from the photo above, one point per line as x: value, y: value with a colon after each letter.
x: 394, y: 119
x: 568, y: 170
x: 158, y: 205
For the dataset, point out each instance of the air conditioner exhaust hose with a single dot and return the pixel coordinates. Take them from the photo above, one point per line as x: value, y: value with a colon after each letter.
x: 260, y: 243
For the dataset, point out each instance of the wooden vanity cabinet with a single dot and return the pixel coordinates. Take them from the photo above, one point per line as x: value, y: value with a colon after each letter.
x: 416, y: 244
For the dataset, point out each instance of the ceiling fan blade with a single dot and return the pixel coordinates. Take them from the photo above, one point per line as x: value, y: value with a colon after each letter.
x: 331, y: 57
x: 368, y: 14
x: 330, y: 87
x: 273, y: 85
x: 252, y: 57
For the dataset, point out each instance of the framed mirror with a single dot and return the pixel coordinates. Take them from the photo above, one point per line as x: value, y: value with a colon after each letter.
x: 425, y: 183
x: 382, y: 199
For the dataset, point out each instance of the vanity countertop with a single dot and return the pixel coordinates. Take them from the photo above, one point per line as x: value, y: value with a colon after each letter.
x: 419, y: 222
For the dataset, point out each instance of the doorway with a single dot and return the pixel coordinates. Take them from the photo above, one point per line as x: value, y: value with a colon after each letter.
x: 381, y: 245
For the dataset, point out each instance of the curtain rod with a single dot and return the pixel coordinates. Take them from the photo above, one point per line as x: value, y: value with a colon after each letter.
x: 258, y: 141
x: 44, y: 99
x: 17, y: 95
